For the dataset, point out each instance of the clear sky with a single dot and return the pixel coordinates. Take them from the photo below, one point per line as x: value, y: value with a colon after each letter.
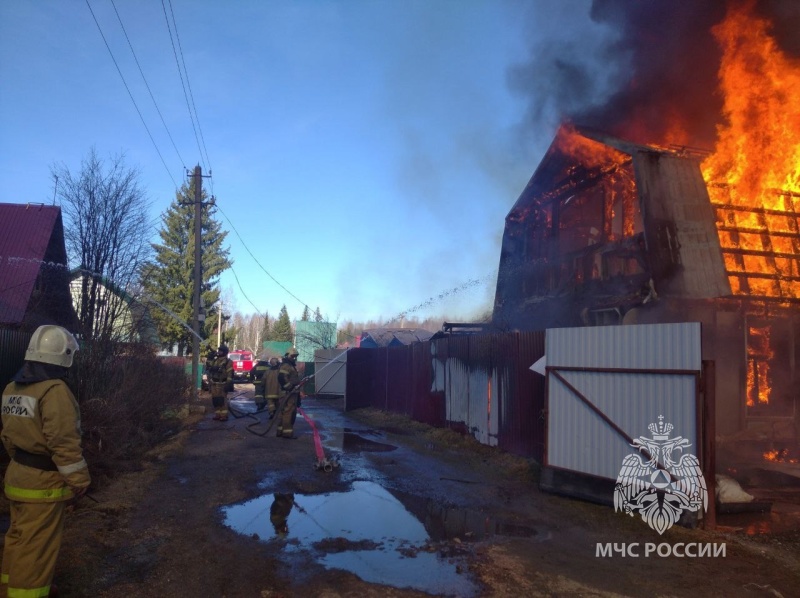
x: 365, y: 151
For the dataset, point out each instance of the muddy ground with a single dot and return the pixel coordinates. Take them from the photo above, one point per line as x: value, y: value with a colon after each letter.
x: 409, y: 511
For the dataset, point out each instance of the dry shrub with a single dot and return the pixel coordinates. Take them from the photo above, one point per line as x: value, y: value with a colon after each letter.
x: 130, y: 410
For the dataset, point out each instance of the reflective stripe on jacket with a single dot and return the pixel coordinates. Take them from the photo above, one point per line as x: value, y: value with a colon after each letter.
x: 43, y: 418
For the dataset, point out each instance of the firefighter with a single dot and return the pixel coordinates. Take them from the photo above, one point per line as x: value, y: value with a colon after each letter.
x: 289, y: 383
x: 220, y: 378
x: 270, y: 387
x: 257, y: 379
x: 279, y: 512
x: 210, y: 356
x: 41, y: 432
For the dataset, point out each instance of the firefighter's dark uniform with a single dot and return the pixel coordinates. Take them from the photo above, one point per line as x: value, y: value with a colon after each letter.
x: 279, y: 513
x: 289, y: 382
x: 220, y: 375
x: 257, y: 378
x: 41, y: 432
x: 212, y: 355
x: 271, y: 388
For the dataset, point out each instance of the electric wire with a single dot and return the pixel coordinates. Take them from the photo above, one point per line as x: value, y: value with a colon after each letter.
x: 239, y: 284
x: 183, y: 83
x: 189, y: 86
x: 303, y: 303
x: 147, y: 85
x: 100, y: 29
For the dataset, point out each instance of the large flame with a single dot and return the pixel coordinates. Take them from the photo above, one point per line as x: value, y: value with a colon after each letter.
x: 759, y: 354
x: 756, y: 162
x: 756, y: 165
x: 758, y: 147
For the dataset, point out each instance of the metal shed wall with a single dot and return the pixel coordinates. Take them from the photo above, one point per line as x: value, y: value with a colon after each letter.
x: 330, y: 368
x: 633, y: 375
x: 478, y: 384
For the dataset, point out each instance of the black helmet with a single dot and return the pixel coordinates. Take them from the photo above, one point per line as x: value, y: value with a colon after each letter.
x: 223, y: 349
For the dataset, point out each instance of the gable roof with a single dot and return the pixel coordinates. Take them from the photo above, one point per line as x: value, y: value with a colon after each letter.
x: 26, y: 231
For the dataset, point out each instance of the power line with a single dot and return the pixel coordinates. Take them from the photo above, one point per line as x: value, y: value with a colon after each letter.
x: 130, y: 94
x: 239, y: 284
x: 183, y: 84
x: 188, y: 84
x: 130, y: 45
x: 256, y: 259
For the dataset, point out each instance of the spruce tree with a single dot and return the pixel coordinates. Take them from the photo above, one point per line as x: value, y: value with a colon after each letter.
x: 306, y: 314
x: 169, y: 278
x: 282, y: 329
x: 266, y: 332
x: 318, y: 316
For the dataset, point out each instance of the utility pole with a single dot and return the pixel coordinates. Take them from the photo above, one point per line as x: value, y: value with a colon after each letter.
x: 198, y: 275
x: 198, y: 314
x: 219, y: 325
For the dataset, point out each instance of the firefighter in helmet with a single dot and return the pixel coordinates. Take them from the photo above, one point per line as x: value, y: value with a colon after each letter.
x: 41, y: 432
x: 220, y: 374
x: 289, y: 383
x: 257, y: 379
x: 270, y: 388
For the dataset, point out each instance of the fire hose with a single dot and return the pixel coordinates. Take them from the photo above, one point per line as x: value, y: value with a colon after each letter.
x: 323, y: 463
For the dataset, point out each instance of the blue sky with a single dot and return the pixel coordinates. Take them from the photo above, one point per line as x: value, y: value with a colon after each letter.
x: 365, y: 151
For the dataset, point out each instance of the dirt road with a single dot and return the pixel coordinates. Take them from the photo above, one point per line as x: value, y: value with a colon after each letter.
x: 409, y: 511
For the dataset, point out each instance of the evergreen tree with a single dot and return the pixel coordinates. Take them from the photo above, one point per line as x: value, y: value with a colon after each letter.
x: 306, y: 314
x: 318, y: 316
x: 282, y: 329
x: 266, y: 332
x: 169, y: 279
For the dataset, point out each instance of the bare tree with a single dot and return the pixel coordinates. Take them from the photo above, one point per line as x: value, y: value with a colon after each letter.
x: 106, y: 230
x: 249, y: 331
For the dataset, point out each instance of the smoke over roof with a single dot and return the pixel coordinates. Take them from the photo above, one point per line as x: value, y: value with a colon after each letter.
x: 657, y: 67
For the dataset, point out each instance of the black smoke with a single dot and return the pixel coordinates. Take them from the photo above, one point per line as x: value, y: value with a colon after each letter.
x: 657, y: 68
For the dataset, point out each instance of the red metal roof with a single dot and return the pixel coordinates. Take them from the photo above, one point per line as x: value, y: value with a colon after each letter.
x: 25, y: 232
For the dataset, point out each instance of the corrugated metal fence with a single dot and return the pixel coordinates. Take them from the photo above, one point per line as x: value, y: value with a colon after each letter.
x: 13, y: 345
x: 481, y: 385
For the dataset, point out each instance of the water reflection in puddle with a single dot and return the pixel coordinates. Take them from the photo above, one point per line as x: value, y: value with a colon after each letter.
x: 365, y: 531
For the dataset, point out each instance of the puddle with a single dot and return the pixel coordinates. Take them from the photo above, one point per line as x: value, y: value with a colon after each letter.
x: 366, y: 531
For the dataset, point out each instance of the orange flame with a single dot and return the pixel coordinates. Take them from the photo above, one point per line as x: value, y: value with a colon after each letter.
x: 756, y: 162
x: 756, y: 165
x: 781, y: 456
x: 585, y: 151
x: 758, y: 149
x: 758, y: 376
x: 618, y: 181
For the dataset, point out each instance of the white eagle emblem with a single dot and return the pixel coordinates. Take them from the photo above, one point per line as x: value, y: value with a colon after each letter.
x: 655, y: 485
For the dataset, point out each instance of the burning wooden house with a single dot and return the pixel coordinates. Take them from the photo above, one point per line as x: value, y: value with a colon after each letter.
x: 610, y: 232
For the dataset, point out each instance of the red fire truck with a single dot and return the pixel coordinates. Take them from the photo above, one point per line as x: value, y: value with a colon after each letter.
x: 242, y: 364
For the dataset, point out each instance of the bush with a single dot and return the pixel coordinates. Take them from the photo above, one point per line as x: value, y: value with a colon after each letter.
x: 130, y: 409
